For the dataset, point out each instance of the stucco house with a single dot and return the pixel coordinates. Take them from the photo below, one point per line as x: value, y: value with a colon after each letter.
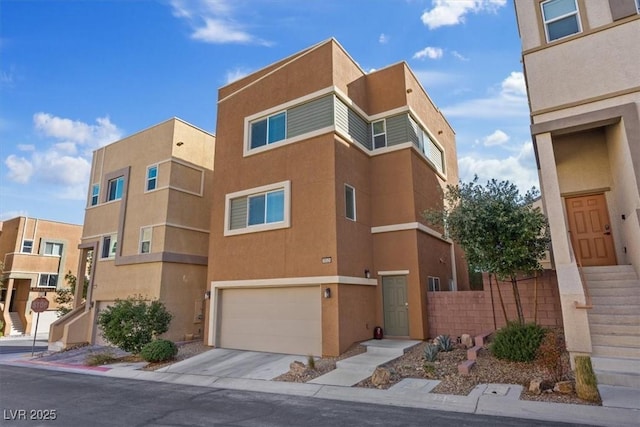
x: 581, y: 61
x: 322, y: 171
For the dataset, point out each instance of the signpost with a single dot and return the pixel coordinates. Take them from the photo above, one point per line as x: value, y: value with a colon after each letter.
x: 38, y: 305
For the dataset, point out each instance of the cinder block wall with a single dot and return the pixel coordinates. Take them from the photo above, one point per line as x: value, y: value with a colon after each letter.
x: 471, y: 312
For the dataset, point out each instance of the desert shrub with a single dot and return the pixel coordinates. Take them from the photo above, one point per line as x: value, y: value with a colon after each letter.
x: 586, y: 383
x: 516, y: 342
x: 445, y: 343
x: 311, y: 362
x: 133, y: 322
x: 159, y: 351
x: 550, y: 355
x: 100, y: 358
x: 431, y: 352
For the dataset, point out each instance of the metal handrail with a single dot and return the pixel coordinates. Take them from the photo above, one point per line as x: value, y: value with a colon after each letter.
x: 576, y: 257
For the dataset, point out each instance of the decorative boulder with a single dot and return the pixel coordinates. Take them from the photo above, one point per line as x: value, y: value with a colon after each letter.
x: 563, y: 387
x: 466, y: 340
x: 297, y: 367
x: 381, y: 376
x: 535, y: 386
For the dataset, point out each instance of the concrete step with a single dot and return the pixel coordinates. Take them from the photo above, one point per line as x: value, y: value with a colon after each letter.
x: 609, y: 291
x: 614, y: 319
x: 617, y: 284
x: 364, y: 362
x: 615, y: 300
x: 616, y: 340
x: 624, y: 379
x: 618, y: 275
x: 618, y: 351
x: 614, y: 308
x: 617, y: 371
x: 16, y: 324
x: 610, y: 329
x: 56, y: 346
x: 609, y: 269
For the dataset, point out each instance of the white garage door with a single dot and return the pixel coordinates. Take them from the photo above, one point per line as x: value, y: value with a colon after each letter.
x: 276, y: 320
x: 45, y: 321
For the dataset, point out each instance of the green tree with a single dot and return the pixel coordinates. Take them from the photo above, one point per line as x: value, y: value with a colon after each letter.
x: 497, y: 227
x: 133, y: 322
x: 64, y: 296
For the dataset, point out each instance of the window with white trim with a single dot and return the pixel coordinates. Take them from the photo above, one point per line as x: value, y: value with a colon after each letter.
x: 561, y: 18
x: 350, y: 202
x: 53, y: 249
x: 48, y: 280
x: 115, y: 188
x: 259, y: 209
x: 379, y: 134
x: 434, y: 283
x: 27, y: 246
x: 109, y: 246
x: 145, y: 239
x: 268, y: 130
x: 152, y: 178
x: 95, y: 193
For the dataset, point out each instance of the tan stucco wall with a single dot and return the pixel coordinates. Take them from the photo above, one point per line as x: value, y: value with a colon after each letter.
x: 182, y: 292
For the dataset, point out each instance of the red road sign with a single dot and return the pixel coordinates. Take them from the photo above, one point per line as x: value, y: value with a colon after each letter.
x: 39, y: 304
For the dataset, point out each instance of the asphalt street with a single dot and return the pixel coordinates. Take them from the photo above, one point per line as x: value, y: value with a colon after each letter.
x: 33, y: 397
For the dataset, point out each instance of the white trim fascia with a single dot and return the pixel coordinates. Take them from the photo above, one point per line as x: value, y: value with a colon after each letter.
x: 389, y: 113
x: 181, y: 190
x: 293, y: 281
x: 183, y: 227
x: 393, y: 273
x: 292, y: 103
x: 410, y: 226
x: 391, y: 149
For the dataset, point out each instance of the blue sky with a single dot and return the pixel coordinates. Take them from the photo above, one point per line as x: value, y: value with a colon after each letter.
x: 78, y: 74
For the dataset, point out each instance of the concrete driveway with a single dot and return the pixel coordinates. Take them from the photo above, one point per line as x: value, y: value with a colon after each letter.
x: 225, y: 363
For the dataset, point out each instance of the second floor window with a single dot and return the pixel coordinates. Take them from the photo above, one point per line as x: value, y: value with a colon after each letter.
x: 266, y: 208
x: 48, y: 280
x: 350, y: 202
x: 27, y: 246
x: 109, y: 245
x: 145, y: 240
x: 379, y: 132
x: 269, y: 130
x: 95, y: 193
x: 54, y: 249
x: 152, y: 178
x: 560, y: 18
x: 115, y: 189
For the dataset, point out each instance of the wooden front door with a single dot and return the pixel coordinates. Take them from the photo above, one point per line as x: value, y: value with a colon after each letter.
x: 394, y: 300
x: 591, y: 230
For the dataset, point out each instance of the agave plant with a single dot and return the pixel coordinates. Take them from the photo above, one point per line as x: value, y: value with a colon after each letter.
x: 445, y: 342
x: 431, y: 352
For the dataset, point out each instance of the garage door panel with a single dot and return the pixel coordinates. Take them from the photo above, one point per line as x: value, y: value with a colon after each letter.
x: 279, y: 320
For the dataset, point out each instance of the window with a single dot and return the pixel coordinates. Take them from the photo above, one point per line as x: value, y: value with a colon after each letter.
x: 258, y: 209
x: 379, y: 134
x: 54, y: 249
x: 152, y: 177
x: 109, y: 245
x: 27, y: 246
x: 95, y: 192
x: 115, y: 187
x: 434, y: 284
x: 350, y: 202
x: 48, y: 280
x: 560, y: 18
x: 434, y: 153
x: 145, y: 240
x: 269, y: 130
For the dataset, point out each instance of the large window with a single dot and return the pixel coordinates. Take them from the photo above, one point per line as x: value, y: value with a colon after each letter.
x: 27, y: 246
x: 152, y: 177
x: 560, y: 18
x: 379, y: 132
x: 109, y: 246
x: 48, y: 280
x: 145, y: 240
x: 115, y: 187
x: 54, y: 249
x: 350, y: 202
x: 258, y: 209
x: 269, y: 130
x: 95, y: 193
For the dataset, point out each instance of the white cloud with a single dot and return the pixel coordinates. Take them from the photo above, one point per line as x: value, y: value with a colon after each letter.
x: 509, y: 101
x: 520, y: 168
x: 383, y: 39
x: 26, y: 147
x: 20, y: 169
x: 77, y: 132
x: 458, y: 55
x: 429, y: 52
x: 236, y: 74
x: 496, y: 138
x: 452, y: 12
x: 212, y: 21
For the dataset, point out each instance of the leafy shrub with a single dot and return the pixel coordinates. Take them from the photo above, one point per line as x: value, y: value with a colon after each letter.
x: 518, y: 343
x: 445, y: 343
x: 159, y: 351
x: 133, y: 322
x: 431, y: 352
x: 550, y: 355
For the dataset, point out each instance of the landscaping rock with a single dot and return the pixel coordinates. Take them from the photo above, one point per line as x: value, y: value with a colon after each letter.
x: 381, y: 376
x: 297, y: 367
x: 563, y: 387
x: 535, y: 386
x: 466, y: 340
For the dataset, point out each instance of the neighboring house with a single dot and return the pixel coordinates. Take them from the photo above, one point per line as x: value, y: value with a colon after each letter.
x: 582, y: 66
x: 36, y: 254
x: 146, y: 229
x: 322, y: 171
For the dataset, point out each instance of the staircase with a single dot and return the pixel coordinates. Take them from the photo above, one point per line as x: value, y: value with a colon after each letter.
x: 614, y: 322
x: 16, y: 324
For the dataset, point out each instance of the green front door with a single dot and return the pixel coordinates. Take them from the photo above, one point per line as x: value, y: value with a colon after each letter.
x: 394, y: 300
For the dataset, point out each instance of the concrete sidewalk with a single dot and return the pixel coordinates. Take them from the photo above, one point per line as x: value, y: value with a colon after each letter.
x: 621, y: 406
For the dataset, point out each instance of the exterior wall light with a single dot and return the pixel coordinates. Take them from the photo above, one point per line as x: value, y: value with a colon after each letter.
x: 327, y: 293
x: 207, y: 295
x: 367, y: 274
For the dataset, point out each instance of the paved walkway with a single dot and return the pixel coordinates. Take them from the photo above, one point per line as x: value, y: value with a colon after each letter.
x: 621, y: 405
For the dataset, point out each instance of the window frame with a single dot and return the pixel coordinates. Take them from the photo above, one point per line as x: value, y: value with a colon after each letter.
x: 52, y: 245
x: 49, y: 276
x: 119, y: 185
x: 153, y: 179
x: 433, y: 284
x: 284, y: 186
x: 374, y: 134
x: 95, y: 195
x: 350, y: 189
x: 24, y: 245
x: 111, y: 246
x: 267, y: 119
x: 141, y: 247
x: 546, y: 22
